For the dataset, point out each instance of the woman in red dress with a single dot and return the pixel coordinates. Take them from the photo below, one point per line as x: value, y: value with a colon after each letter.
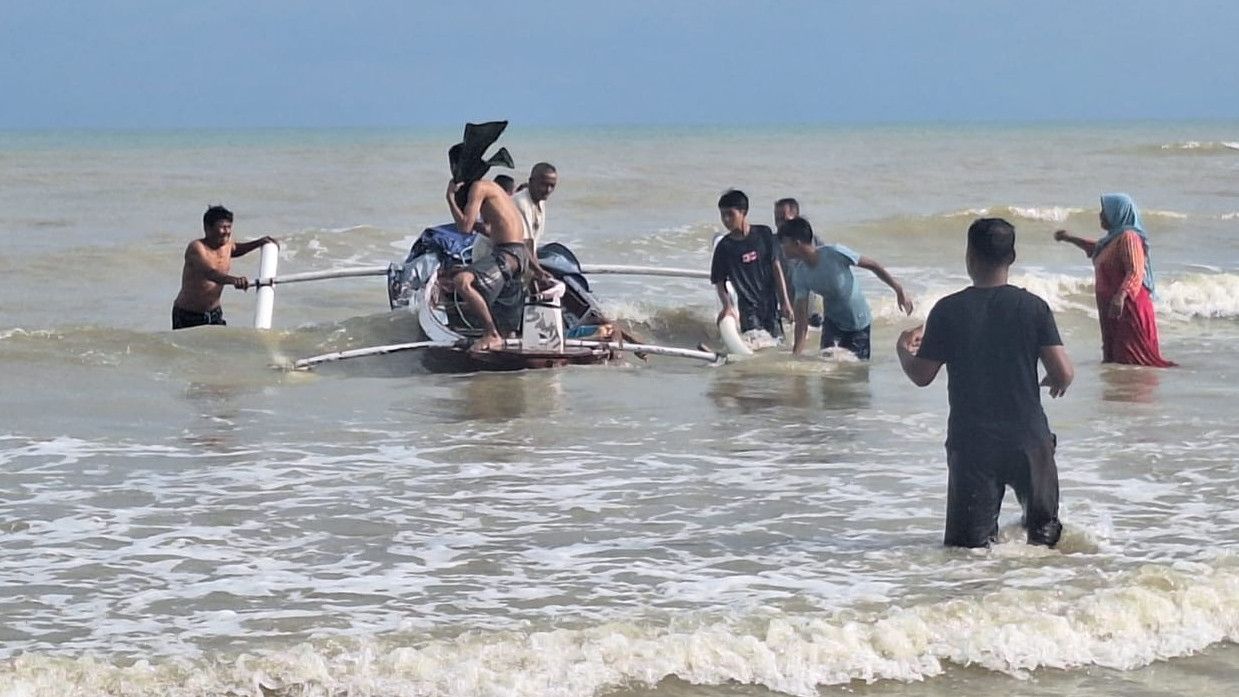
x: 1124, y: 284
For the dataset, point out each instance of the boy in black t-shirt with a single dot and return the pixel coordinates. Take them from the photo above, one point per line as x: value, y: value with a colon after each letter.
x: 748, y: 257
x: 990, y: 337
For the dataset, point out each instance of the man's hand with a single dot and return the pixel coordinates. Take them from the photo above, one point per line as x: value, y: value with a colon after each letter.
x: 921, y: 371
x: 905, y: 303
x: 452, y: 187
x: 240, y: 283
x: 266, y: 239
x: 728, y: 311
x: 1116, y: 305
x: 1056, y: 390
x: 788, y: 313
x: 1060, y: 235
x: 910, y: 340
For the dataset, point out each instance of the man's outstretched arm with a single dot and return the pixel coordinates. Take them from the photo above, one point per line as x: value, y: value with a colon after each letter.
x: 243, y: 248
x: 901, y: 298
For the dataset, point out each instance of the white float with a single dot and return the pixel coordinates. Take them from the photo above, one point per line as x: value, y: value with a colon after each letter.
x: 264, y: 308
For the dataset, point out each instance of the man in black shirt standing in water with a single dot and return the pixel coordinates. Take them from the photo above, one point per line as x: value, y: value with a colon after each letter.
x: 990, y: 336
x: 748, y: 257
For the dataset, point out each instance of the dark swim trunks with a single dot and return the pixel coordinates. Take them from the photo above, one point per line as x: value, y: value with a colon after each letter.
x: 978, y: 479
x: 751, y: 318
x: 184, y: 319
x: 855, y: 341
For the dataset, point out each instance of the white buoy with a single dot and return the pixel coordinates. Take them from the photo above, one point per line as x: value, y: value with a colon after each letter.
x: 264, y: 308
x: 729, y: 331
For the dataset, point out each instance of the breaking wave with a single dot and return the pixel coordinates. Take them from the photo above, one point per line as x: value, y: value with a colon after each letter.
x: 1187, y: 297
x: 1153, y: 613
x: 1049, y: 214
x: 1202, y: 147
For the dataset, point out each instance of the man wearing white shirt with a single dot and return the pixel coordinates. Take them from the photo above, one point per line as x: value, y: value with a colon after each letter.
x: 531, y: 202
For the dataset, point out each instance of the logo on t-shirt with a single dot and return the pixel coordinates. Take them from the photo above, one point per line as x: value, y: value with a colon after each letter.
x: 749, y: 257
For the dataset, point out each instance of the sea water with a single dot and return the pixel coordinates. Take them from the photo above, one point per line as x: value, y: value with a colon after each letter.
x: 179, y: 517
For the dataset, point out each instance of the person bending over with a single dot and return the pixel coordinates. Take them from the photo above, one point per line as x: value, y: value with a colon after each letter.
x: 827, y: 271
x: 480, y: 283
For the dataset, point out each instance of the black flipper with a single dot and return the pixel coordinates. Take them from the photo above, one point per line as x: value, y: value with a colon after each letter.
x: 466, y: 158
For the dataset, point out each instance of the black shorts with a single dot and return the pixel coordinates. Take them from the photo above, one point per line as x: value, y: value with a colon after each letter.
x: 184, y: 319
x: 496, y: 273
x: 751, y: 318
x: 856, y: 341
x: 978, y: 479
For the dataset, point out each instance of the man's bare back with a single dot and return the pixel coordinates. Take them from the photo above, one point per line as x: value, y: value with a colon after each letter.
x: 499, y: 213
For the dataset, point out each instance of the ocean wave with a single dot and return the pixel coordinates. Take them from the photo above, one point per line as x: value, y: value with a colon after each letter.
x: 1048, y: 214
x: 1207, y: 296
x: 1153, y: 613
x: 1196, y: 146
x: 1051, y: 214
x: 1187, y: 297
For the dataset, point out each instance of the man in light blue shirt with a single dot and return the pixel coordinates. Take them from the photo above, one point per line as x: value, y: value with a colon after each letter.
x: 827, y: 271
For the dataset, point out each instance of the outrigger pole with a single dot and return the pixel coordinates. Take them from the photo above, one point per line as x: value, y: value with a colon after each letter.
x: 307, y: 363
x: 623, y: 269
x: 651, y: 349
x: 269, y: 260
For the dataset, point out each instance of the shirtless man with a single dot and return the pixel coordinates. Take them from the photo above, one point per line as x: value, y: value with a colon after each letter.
x: 207, y: 263
x: 485, y: 279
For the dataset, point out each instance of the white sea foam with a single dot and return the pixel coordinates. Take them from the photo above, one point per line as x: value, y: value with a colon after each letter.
x: 1049, y: 214
x: 1187, y: 297
x: 1171, y: 215
x: 1199, y: 296
x: 1201, y: 146
x: 1154, y: 613
x: 1052, y: 214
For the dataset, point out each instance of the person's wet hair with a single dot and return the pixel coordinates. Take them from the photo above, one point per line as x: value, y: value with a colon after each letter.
x: 215, y: 214
x: 505, y: 182
x: 788, y: 203
x: 542, y: 168
x: 734, y: 198
x: 992, y: 241
x: 796, y: 230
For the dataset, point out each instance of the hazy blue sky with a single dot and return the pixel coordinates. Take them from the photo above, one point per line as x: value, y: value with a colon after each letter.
x: 145, y: 64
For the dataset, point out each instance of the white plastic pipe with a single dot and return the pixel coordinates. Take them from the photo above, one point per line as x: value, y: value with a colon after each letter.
x: 306, y: 363
x: 511, y: 344
x: 643, y: 270
x: 264, y: 308
x: 322, y: 275
x: 653, y: 350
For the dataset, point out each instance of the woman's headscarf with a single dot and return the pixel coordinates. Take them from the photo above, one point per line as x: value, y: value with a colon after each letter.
x: 1121, y: 215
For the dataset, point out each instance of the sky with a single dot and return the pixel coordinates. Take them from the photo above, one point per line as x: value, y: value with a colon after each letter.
x: 147, y: 64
